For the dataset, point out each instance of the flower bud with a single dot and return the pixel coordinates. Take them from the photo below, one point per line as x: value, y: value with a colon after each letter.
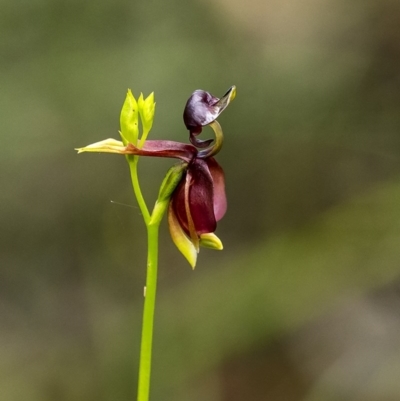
x: 146, y: 111
x: 129, y: 119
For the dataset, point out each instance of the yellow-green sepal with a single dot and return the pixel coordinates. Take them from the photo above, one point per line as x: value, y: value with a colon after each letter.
x: 129, y: 119
x: 182, y: 242
x: 171, y: 181
x: 109, y: 145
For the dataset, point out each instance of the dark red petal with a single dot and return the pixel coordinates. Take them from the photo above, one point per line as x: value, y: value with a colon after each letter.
x: 196, y: 191
x: 160, y: 148
x: 178, y: 204
x: 220, y: 203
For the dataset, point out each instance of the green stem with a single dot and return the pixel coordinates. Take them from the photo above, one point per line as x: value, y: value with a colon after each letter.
x: 150, y: 300
x: 133, y: 161
x: 143, y: 139
x: 148, y: 313
x: 152, y: 224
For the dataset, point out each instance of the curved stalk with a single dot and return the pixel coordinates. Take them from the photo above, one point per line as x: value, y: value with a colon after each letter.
x: 133, y: 161
x: 219, y: 139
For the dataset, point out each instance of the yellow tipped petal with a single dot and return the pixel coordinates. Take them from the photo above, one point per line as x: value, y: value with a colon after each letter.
x: 182, y: 242
x: 226, y: 99
x: 233, y: 93
x: 210, y: 240
x: 109, y: 145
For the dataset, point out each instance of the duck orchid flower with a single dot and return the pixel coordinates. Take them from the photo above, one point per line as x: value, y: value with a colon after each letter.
x: 197, y: 199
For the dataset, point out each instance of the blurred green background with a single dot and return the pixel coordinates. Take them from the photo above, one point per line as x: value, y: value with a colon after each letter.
x: 304, y: 302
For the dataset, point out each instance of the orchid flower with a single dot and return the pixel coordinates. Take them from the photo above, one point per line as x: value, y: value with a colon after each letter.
x: 198, y: 199
x: 193, y: 191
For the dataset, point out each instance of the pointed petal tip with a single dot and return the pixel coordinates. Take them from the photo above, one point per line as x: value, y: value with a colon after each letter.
x: 150, y: 98
x: 232, y: 91
x: 193, y: 264
x: 223, y: 103
x: 109, y: 145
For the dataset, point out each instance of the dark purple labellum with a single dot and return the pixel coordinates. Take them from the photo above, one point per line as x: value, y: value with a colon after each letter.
x: 200, y: 111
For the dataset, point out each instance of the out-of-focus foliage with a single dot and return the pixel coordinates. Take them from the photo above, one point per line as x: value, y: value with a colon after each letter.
x: 302, y: 303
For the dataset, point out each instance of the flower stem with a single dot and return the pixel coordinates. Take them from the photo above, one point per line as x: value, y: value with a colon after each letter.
x: 152, y: 224
x: 148, y: 313
x: 133, y: 161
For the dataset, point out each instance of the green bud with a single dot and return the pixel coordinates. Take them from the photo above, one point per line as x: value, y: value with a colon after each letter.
x: 146, y: 111
x: 129, y: 120
x: 171, y: 181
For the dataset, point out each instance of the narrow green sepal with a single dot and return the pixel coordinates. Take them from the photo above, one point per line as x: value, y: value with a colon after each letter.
x: 129, y: 119
x: 210, y: 240
x: 171, y: 180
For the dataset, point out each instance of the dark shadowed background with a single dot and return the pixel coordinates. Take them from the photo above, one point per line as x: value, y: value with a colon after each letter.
x: 304, y: 302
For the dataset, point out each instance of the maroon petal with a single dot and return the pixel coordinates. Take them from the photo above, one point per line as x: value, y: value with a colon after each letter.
x: 180, y: 206
x: 193, y: 200
x: 202, y: 108
x: 218, y: 177
x: 199, y: 110
x: 160, y: 148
